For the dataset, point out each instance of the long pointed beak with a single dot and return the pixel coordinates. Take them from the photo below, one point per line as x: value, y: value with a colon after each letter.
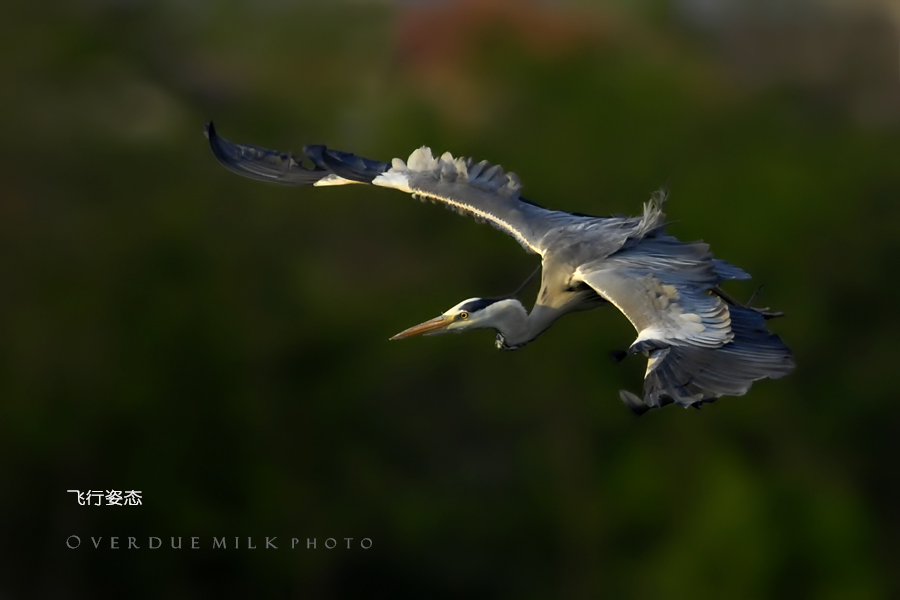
x: 431, y: 326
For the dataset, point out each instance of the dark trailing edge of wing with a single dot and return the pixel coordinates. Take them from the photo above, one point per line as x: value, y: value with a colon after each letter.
x: 263, y: 164
x: 287, y: 169
x: 352, y: 167
x: 693, y: 376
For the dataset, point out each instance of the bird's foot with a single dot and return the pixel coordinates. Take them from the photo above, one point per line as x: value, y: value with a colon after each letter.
x: 766, y: 313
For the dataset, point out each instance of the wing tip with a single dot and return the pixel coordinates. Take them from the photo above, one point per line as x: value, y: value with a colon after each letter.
x: 217, y: 144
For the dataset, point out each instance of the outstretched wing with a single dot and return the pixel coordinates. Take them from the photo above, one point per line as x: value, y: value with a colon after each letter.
x: 285, y: 168
x: 661, y: 285
x: 692, y: 376
x: 698, y: 347
x: 481, y: 190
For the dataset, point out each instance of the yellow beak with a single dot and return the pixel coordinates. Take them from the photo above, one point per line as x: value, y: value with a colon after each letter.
x: 431, y: 326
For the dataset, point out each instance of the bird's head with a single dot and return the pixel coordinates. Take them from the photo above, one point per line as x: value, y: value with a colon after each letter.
x: 474, y: 313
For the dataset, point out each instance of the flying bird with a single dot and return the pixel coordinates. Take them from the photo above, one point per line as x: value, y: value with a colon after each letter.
x: 700, y: 343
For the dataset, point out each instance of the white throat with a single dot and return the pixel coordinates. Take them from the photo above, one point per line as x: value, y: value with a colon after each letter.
x: 510, y: 319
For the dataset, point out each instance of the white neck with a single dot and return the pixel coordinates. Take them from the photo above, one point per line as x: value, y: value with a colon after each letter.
x: 515, y: 326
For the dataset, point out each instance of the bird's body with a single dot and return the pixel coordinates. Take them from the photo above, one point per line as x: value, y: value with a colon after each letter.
x: 699, y: 346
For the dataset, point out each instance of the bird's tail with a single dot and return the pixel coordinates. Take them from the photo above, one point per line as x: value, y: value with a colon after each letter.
x: 690, y: 376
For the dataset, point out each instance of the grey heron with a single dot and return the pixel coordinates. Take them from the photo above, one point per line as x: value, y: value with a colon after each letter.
x: 700, y: 343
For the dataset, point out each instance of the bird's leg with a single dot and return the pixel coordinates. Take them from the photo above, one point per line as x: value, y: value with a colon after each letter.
x: 526, y: 282
x: 753, y: 296
x: 765, y: 312
x: 725, y: 296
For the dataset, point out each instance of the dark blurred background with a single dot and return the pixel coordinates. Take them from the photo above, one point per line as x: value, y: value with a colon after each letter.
x: 221, y: 344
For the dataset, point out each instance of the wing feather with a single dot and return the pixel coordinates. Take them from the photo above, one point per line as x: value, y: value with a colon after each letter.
x: 661, y: 286
x: 287, y: 169
x: 481, y: 190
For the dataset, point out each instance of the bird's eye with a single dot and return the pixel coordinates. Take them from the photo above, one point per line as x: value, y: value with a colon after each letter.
x: 463, y: 315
